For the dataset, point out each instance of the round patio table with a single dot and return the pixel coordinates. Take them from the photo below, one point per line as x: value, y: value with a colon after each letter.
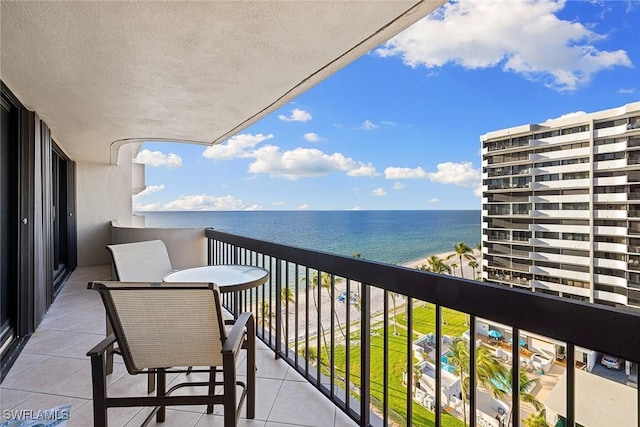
x: 229, y: 278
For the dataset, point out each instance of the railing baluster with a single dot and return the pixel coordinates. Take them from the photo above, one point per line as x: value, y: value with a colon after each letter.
x: 571, y: 385
x: 306, y: 323
x: 438, y: 364
x: 385, y: 360
x: 365, y: 355
x: 472, y: 371
x: 332, y: 312
x: 347, y: 370
x: 278, y: 308
x: 296, y: 316
x: 410, y: 366
x: 319, y: 327
x: 515, y: 379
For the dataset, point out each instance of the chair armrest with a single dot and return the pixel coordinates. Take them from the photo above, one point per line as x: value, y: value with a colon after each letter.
x: 236, y: 335
x: 102, y: 346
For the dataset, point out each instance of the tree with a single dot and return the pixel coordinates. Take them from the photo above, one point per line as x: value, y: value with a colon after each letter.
x: 453, y: 267
x: 473, y: 264
x: 393, y: 296
x: 314, y: 284
x: 536, y: 420
x: 437, y: 265
x: 461, y: 250
x: 489, y: 372
x: 286, y: 297
x: 417, y: 375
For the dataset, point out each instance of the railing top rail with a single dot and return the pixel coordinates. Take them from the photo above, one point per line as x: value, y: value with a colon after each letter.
x: 596, y: 327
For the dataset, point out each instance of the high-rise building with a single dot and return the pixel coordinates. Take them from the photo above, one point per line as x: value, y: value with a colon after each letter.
x: 561, y: 206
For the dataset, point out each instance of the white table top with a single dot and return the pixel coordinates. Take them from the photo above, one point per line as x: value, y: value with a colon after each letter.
x: 229, y: 278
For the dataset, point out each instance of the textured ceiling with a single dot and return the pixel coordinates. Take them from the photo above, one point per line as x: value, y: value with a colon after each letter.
x: 100, y: 73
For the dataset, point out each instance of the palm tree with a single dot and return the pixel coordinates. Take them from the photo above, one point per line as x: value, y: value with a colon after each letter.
x: 461, y: 250
x: 314, y: 285
x: 489, y: 372
x: 286, y: 297
x: 437, y: 265
x: 393, y: 296
x: 417, y: 375
x: 453, y: 267
x: 266, y: 316
x: 536, y: 420
x: 473, y: 264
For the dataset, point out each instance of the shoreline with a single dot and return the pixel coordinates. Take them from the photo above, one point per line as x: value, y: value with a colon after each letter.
x: 468, y: 271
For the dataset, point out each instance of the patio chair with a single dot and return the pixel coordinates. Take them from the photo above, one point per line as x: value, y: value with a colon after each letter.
x: 146, y: 261
x: 161, y: 326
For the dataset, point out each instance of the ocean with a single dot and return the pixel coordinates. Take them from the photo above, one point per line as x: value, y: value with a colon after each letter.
x: 385, y: 236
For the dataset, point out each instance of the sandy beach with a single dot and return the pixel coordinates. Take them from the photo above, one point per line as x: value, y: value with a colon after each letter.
x: 467, y: 271
x: 376, y: 300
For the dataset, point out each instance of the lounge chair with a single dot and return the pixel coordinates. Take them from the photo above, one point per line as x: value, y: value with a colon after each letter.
x: 160, y: 326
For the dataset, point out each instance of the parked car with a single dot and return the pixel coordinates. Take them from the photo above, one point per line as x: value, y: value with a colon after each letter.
x: 611, y: 362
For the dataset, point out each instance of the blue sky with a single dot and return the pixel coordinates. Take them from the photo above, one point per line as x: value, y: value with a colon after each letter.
x: 399, y: 128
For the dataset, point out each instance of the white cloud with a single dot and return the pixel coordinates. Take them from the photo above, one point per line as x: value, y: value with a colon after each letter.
x: 378, y: 192
x: 627, y: 91
x: 238, y: 146
x: 253, y: 208
x: 463, y: 174
x: 398, y: 186
x: 434, y: 200
x: 157, y: 158
x: 355, y: 208
x: 149, y: 189
x: 388, y: 123
x: 312, y: 137
x: 363, y: 170
x: 303, y: 207
x: 368, y: 125
x: 303, y: 162
x: 568, y: 115
x: 196, y: 202
x: 297, y: 115
x: 482, y: 34
x: 477, y: 191
x: 404, y: 173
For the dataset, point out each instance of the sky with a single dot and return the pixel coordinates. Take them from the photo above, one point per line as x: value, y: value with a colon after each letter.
x: 399, y: 128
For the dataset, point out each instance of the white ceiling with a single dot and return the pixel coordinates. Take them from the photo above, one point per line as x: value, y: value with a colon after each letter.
x: 100, y: 73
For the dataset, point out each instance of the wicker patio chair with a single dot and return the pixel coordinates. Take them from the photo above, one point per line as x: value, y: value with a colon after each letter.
x: 161, y: 326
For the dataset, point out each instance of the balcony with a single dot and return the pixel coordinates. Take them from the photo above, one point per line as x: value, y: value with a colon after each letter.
x: 381, y: 303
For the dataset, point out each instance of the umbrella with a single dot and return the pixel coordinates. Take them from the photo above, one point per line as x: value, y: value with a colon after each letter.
x: 520, y: 341
x: 495, y: 334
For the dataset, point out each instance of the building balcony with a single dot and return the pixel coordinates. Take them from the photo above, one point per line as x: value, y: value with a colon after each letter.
x: 361, y: 339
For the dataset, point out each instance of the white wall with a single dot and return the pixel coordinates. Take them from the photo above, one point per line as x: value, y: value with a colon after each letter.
x: 103, y: 194
x: 187, y: 247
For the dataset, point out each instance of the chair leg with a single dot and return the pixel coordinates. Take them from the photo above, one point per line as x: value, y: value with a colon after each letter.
x: 251, y: 370
x: 151, y: 382
x: 110, y: 349
x: 229, y: 397
x: 99, y: 379
x: 161, y: 392
x: 212, y: 387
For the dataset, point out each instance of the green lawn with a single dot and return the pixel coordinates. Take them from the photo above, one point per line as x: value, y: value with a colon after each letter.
x: 423, y: 323
x: 424, y: 320
x: 397, y: 391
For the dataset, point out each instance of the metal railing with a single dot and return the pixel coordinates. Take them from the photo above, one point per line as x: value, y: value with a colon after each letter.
x: 329, y: 316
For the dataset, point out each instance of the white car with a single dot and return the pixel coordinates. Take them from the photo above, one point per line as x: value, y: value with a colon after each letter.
x: 611, y: 362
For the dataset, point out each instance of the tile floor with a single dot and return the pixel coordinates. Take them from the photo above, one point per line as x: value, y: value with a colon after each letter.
x: 53, y: 370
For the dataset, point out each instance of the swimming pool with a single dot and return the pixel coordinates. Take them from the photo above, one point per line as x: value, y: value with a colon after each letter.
x: 444, y: 362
